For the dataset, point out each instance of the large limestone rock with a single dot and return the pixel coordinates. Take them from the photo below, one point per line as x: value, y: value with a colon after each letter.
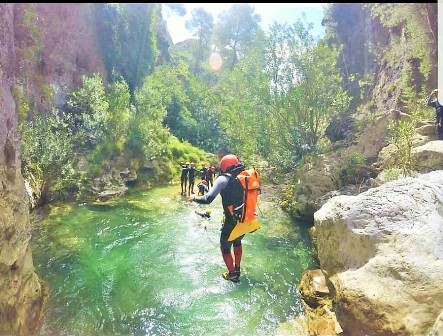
x: 21, y: 294
x: 437, y: 329
x: 429, y: 156
x: 383, y: 251
x: 373, y: 137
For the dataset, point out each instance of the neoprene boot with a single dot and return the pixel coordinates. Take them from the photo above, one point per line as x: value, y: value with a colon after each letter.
x: 237, y: 270
x: 237, y: 257
x: 231, y: 274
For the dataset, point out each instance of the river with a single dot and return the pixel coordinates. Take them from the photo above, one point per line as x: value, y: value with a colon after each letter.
x: 146, y: 264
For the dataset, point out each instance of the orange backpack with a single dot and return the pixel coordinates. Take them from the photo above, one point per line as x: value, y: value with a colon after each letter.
x: 246, y: 191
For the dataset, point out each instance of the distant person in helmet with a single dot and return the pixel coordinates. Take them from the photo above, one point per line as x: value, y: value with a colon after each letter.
x: 210, y: 176
x: 433, y: 101
x: 222, y: 185
x: 202, y: 187
x: 203, y: 171
x: 205, y: 214
x: 191, y: 176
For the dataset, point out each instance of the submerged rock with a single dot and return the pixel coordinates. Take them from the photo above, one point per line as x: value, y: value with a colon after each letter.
x: 321, y: 320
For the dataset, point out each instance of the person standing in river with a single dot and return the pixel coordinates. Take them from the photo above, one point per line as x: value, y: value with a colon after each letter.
x: 191, y: 176
x: 210, y: 176
x: 184, y: 177
x: 229, y: 165
x: 433, y: 101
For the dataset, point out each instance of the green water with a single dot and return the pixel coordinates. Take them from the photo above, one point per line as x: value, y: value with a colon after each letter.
x: 148, y: 265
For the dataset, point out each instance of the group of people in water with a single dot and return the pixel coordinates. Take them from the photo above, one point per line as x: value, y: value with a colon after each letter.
x: 188, y: 175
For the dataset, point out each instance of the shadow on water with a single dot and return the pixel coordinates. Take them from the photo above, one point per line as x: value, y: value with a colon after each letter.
x: 146, y: 264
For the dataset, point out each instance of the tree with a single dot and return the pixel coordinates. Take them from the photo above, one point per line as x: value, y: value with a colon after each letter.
x: 310, y: 93
x: 120, y: 110
x: 235, y: 31
x: 201, y: 24
x: 47, y: 146
x: 127, y: 38
x: 176, y: 8
x: 148, y: 137
x: 244, y: 104
x: 88, y: 109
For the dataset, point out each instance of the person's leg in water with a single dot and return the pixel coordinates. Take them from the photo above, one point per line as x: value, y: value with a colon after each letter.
x: 182, y: 184
x: 237, y: 254
x: 185, y: 185
x: 191, y: 187
x: 225, y: 248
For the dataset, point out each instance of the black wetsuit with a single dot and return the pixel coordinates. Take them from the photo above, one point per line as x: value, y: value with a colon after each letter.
x: 184, y: 178
x: 223, y: 186
x: 202, y: 189
x: 203, y: 215
x: 203, y: 173
x: 438, y: 115
x: 210, y: 177
x: 191, y: 175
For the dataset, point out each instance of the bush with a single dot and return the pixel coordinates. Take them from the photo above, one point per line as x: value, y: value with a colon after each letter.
x: 47, y: 152
x: 392, y: 174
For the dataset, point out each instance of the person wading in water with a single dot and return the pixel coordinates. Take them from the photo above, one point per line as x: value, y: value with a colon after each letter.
x: 229, y: 168
x: 184, y: 177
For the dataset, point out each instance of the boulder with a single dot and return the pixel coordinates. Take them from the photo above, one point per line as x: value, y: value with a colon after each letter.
x: 429, y: 156
x: 383, y: 252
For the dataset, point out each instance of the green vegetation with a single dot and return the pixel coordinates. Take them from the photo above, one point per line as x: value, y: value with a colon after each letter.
x: 47, y: 154
x: 408, y: 20
x: 403, y: 130
x: 30, y: 51
x: 350, y: 170
x: 88, y: 108
x: 126, y: 35
x: 392, y: 174
x: 272, y: 98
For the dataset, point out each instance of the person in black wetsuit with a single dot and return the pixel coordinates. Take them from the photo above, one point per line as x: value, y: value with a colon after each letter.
x: 223, y: 186
x: 203, y: 171
x: 202, y: 187
x: 204, y: 214
x: 184, y: 177
x: 210, y: 176
x: 433, y: 101
x: 191, y: 176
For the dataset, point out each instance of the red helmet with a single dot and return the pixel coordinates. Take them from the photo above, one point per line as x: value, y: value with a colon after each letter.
x: 228, y: 161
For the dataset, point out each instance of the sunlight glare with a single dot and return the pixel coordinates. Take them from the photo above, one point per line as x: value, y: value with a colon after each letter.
x: 215, y: 61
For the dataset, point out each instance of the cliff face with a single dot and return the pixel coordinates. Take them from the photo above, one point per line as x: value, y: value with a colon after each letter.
x: 44, y: 51
x: 56, y: 45
x: 21, y: 294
